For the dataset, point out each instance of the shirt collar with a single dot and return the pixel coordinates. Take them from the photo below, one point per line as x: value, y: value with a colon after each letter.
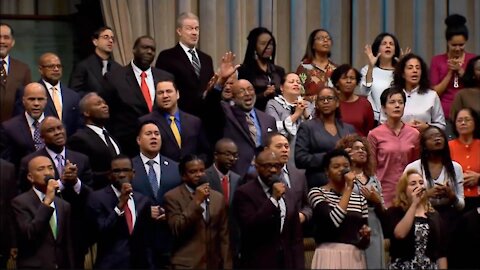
x: 145, y: 159
x: 189, y: 188
x: 220, y: 174
x: 138, y: 71
x: 116, y: 191
x: 187, y: 49
x: 49, y: 86
x: 96, y: 129
x: 53, y: 155
x: 40, y: 194
x: 414, y: 91
x: 176, y: 114
x: 30, y: 119
x: 7, y: 59
x: 265, y: 188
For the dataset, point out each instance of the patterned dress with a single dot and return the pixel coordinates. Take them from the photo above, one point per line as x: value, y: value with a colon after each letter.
x: 314, y: 78
x: 420, y: 260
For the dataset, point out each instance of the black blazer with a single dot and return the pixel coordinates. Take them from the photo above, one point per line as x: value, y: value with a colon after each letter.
x: 194, y: 140
x: 87, y: 142
x: 70, y: 110
x: 16, y: 139
x: 298, y: 186
x: 116, y: 248
x: 87, y: 75
x: 37, y: 248
x: 8, y: 190
x: 191, y: 87
x: 127, y: 104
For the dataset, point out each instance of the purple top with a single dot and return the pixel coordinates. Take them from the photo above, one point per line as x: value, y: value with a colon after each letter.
x: 438, y: 71
x: 392, y: 153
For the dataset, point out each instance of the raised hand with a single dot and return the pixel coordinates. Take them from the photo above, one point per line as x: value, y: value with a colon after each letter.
x: 70, y: 173
x: 372, y: 59
x: 227, y: 66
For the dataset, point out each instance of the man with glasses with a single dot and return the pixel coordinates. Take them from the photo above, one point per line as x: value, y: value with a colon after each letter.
x: 271, y: 235
x: 62, y: 102
x: 89, y: 74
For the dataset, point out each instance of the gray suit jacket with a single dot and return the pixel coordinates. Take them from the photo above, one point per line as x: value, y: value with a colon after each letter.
x: 215, y: 181
x: 298, y: 186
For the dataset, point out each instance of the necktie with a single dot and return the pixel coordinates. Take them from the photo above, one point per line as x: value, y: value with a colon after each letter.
x: 225, y: 188
x: 152, y: 177
x: 3, y: 73
x: 129, y: 218
x: 36, y: 135
x: 112, y: 149
x: 176, y: 132
x: 56, y: 102
x: 146, y: 91
x: 195, y: 62
x: 60, y: 166
x: 53, y: 224
x: 104, y: 67
x: 251, y: 128
x: 285, y: 178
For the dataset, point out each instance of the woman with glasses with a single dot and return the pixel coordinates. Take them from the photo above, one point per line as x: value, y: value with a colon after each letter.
x: 316, y: 67
x: 367, y: 184
x: 394, y: 144
x: 355, y: 110
x: 466, y: 151
x: 319, y: 135
x: 469, y: 97
x: 340, y: 216
x: 259, y: 67
x: 423, y: 107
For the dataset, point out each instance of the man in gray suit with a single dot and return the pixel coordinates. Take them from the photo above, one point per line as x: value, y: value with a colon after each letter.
x: 294, y: 178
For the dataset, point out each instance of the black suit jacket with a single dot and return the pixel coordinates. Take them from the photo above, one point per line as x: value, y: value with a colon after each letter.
x: 8, y: 190
x: 37, y: 248
x: 194, y: 140
x: 87, y: 75
x: 116, y: 248
x: 176, y: 61
x: 19, y: 75
x: 127, y: 104
x: 87, y: 142
x: 298, y: 186
x: 16, y: 139
x: 262, y: 244
x: 70, y: 110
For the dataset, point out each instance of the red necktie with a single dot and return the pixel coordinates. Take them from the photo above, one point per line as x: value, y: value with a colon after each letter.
x: 225, y: 188
x: 128, y: 217
x: 145, y: 91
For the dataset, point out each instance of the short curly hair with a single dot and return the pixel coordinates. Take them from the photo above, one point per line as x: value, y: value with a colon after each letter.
x: 348, y: 141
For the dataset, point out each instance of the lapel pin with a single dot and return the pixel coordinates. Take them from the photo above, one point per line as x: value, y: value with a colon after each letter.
x: 165, y: 162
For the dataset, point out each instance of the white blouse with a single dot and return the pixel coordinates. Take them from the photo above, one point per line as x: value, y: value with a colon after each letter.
x: 381, y: 80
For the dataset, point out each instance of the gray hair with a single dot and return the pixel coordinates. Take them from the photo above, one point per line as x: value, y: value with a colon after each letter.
x: 185, y: 15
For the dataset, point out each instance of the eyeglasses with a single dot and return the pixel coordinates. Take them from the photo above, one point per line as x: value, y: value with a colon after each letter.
x: 327, y: 99
x: 269, y: 166
x: 463, y: 120
x: 52, y: 67
x: 323, y: 38
x: 228, y: 154
x: 107, y: 37
x: 125, y: 170
x: 244, y: 91
x: 434, y: 136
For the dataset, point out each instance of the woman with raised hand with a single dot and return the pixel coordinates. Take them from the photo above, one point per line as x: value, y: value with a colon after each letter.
x: 340, y: 217
x: 259, y: 67
x: 414, y: 227
x: 377, y: 75
x: 367, y: 184
x: 316, y: 67
x: 423, y: 107
x: 446, y: 70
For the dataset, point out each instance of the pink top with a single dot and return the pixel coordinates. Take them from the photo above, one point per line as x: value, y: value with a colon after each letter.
x: 392, y: 154
x: 358, y: 114
x: 438, y: 71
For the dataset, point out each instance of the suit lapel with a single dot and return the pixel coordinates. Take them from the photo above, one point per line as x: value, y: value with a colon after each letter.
x: 166, y: 128
x: 26, y: 133
x: 238, y: 119
x: 135, y: 89
x: 143, y: 175
x: 234, y: 179
x: 216, y: 181
x: 49, y: 108
x: 263, y: 124
x: 184, y: 58
x: 95, y: 67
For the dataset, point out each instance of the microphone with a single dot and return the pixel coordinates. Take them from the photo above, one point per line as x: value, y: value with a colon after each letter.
x: 120, y: 183
x: 202, y: 181
x: 345, y: 171
x: 48, y: 178
x: 274, y: 179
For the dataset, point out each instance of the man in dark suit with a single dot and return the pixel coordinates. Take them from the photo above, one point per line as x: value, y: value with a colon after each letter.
x: 94, y: 140
x: 13, y: 73
x: 191, y: 67
x: 271, y: 236
x: 294, y: 178
x: 20, y: 135
x: 8, y: 190
x: 184, y: 134
x: 122, y: 220
x: 197, y: 217
x: 155, y: 174
x: 89, y: 74
x: 72, y: 169
x: 131, y: 93
x: 62, y: 102
x: 42, y: 221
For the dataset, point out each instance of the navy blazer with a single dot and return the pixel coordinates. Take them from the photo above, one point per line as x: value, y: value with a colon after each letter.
x: 194, y: 140
x: 70, y: 110
x: 37, y: 248
x: 116, y: 248
x: 87, y: 75
x: 16, y: 139
x: 125, y: 99
x: 261, y: 240
x: 191, y: 87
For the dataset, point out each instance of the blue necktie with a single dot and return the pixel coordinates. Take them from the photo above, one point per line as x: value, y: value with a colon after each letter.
x: 152, y: 177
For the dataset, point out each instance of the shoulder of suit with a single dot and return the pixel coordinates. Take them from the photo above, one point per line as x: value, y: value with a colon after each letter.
x: 189, y: 116
x: 18, y: 64
x: 12, y: 123
x: 167, y: 161
x: 76, y: 154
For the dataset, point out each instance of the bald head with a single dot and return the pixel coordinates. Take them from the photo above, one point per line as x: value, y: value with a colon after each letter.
x: 243, y: 94
x: 50, y: 68
x: 34, y: 99
x: 268, y: 166
x: 53, y: 133
x: 265, y: 155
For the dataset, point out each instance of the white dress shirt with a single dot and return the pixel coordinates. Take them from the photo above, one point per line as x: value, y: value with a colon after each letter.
x: 99, y: 132
x: 149, y: 79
